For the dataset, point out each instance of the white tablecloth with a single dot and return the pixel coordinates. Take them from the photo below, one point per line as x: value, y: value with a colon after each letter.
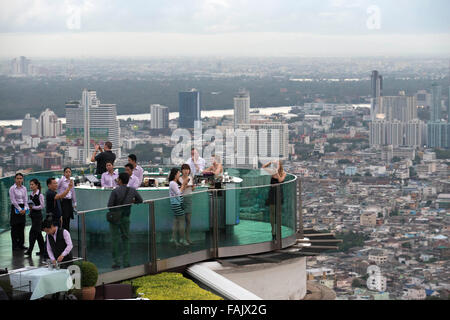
x: 43, y: 281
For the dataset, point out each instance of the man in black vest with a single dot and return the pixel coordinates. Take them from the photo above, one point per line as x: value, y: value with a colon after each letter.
x: 59, y: 243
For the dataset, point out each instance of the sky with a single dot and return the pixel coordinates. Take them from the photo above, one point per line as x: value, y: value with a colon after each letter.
x: 140, y: 28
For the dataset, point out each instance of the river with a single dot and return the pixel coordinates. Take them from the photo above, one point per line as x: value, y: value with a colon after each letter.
x: 172, y: 115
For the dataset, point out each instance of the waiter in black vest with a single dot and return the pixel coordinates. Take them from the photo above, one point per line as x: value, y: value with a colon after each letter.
x: 59, y: 243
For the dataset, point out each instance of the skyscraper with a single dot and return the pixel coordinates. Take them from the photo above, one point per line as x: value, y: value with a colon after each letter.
x: 242, y: 108
x: 448, y: 105
x: 415, y: 133
x: 401, y: 108
x: 88, y: 122
x: 189, y: 108
x: 436, y: 96
x: 30, y: 126
x: 261, y: 141
x: 21, y: 66
x: 376, y: 92
x: 49, y: 125
x: 159, y: 116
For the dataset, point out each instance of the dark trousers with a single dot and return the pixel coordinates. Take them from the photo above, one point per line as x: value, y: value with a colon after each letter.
x: 36, y: 232
x: 67, y: 213
x: 17, y: 222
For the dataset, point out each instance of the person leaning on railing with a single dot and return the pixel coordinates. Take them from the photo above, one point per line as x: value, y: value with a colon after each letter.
x: 277, y: 177
x: 120, y: 229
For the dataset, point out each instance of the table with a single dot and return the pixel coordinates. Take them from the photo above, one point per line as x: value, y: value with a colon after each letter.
x: 43, y: 281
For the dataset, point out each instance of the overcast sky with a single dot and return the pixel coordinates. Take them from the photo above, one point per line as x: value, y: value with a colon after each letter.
x: 113, y: 28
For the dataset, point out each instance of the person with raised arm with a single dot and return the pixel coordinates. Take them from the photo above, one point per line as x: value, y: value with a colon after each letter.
x: 103, y: 157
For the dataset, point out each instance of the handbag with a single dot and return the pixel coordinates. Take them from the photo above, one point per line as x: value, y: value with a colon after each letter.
x: 115, y: 215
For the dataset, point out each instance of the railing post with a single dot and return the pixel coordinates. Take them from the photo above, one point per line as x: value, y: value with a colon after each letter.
x: 83, y: 237
x: 152, y: 237
x: 278, y: 214
x: 300, y: 210
x: 213, y: 215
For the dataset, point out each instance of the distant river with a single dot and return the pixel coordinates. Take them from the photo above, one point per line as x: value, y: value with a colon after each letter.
x: 172, y: 115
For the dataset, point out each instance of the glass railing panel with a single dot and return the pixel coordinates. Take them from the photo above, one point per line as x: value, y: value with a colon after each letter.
x: 245, y: 216
x: 111, y: 246
x: 288, y: 208
x: 5, y: 203
x: 182, y: 231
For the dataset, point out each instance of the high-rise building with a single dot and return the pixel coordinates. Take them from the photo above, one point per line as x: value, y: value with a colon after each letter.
x: 401, y: 108
x: 49, y: 124
x: 377, y: 136
x: 423, y: 98
x: 376, y: 92
x: 30, y: 126
x: 88, y: 122
x: 438, y: 134
x: 242, y: 108
x: 260, y: 142
x: 415, y: 133
x: 436, y: 96
x: 21, y: 67
x: 448, y: 106
x: 394, y: 133
x: 189, y: 108
x: 159, y: 116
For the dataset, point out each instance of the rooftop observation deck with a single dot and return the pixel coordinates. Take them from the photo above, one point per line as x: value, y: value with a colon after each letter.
x: 232, y: 221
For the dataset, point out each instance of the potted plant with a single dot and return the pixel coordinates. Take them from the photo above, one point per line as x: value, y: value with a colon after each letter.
x: 89, y: 276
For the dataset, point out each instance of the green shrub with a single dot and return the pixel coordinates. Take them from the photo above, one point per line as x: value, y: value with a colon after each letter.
x: 89, y: 273
x: 170, y: 286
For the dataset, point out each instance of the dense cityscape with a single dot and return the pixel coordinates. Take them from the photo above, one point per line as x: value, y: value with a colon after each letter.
x: 372, y: 154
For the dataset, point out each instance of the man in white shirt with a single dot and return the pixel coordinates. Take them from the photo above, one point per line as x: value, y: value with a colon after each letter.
x: 109, y: 177
x: 134, y: 181
x: 196, y: 163
x: 137, y: 171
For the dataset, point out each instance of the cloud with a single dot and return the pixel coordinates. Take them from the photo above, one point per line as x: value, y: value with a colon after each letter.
x: 345, y: 17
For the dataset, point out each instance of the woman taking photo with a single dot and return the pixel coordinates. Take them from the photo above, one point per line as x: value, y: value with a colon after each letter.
x: 70, y: 201
x: 19, y: 207
x: 176, y: 202
x: 278, y: 177
x: 38, y: 203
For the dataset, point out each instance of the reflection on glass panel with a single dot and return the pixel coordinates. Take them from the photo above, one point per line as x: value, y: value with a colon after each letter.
x: 288, y: 209
x: 244, y: 216
x: 182, y: 230
x: 121, y: 244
